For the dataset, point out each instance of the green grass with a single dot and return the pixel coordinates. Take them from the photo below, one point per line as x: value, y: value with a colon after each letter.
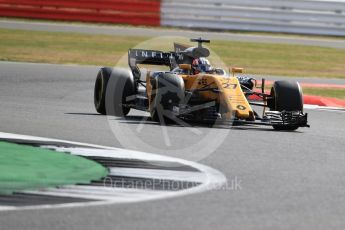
x: 25, y: 167
x: 324, y: 92
x: 283, y: 60
x: 62, y: 48
x: 336, y: 93
x: 256, y: 58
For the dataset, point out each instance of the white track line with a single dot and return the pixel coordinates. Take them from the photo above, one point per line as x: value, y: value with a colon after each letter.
x: 324, y: 108
x: 5, y: 208
x: 209, y: 178
x: 158, y: 174
x: 120, y: 195
x: 110, y: 152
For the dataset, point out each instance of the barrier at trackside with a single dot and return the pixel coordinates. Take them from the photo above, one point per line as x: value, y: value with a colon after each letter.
x: 321, y: 17
x: 134, y: 12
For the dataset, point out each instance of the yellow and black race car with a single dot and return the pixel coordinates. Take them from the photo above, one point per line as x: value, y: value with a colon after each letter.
x: 195, y: 91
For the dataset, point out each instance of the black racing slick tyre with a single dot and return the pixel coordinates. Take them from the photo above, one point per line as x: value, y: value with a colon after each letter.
x: 114, y: 91
x: 286, y: 96
x: 169, y: 94
x: 100, y: 89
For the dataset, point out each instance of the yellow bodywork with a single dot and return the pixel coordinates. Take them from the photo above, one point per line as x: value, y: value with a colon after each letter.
x: 230, y: 95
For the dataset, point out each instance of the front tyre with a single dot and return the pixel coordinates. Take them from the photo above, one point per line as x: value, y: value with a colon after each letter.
x: 286, y: 96
x: 169, y: 94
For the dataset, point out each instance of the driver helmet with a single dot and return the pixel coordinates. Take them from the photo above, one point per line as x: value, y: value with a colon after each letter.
x: 201, y: 65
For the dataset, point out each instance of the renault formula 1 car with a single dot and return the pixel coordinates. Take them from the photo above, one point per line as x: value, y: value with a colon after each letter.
x: 184, y: 94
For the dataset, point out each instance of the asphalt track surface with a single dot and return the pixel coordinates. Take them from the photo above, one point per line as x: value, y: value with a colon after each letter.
x: 154, y: 32
x: 288, y: 180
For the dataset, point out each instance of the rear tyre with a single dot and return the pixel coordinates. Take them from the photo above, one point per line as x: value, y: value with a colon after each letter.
x: 286, y: 96
x: 120, y: 93
x: 101, y: 84
x: 114, y: 91
x: 169, y: 94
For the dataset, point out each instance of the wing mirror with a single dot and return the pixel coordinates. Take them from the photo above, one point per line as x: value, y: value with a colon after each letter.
x: 185, y: 66
x: 236, y: 70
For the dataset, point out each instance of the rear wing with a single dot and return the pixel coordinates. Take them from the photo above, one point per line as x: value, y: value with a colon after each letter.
x: 149, y: 57
x: 182, y: 55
